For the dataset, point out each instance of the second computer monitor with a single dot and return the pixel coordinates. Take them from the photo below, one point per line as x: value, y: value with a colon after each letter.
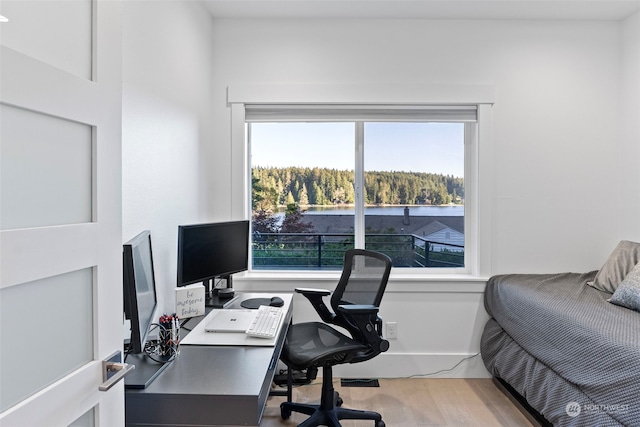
x: 212, y: 250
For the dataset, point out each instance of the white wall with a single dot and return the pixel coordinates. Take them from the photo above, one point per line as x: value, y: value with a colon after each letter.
x: 559, y: 148
x: 555, y: 148
x: 630, y: 182
x: 556, y: 126
x: 166, y: 125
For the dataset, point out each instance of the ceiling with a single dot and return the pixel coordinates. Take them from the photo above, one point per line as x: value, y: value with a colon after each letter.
x: 426, y: 9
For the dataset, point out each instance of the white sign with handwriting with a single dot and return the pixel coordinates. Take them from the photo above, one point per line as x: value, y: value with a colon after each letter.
x: 190, y: 301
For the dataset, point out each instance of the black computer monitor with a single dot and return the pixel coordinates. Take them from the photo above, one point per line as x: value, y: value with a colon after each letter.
x: 212, y: 250
x: 140, y: 300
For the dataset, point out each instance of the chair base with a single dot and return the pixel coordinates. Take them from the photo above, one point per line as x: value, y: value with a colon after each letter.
x: 331, y: 418
x: 328, y: 412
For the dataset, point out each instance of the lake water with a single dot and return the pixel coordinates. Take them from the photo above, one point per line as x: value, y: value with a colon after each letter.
x: 390, y: 210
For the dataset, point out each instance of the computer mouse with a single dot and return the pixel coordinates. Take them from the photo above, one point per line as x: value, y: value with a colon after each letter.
x: 276, y: 302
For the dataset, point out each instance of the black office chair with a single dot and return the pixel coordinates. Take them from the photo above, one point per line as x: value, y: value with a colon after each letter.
x: 355, y: 303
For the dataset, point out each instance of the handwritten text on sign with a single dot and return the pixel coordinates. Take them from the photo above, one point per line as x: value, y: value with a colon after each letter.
x: 190, y: 301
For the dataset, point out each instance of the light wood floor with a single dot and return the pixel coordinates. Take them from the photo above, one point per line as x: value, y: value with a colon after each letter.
x: 414, y: 402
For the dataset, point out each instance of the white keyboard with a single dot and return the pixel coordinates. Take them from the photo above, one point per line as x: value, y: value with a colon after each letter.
x: 266, y: 322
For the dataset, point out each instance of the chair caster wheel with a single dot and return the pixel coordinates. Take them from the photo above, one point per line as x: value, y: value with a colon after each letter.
x: 286, y: 413
x: 380, y: 423
x: 339, y: 402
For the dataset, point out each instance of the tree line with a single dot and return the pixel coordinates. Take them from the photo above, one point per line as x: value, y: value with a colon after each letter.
x: 273, y: 187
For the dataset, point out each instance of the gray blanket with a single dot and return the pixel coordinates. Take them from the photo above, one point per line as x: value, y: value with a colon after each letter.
x: 572, y: 355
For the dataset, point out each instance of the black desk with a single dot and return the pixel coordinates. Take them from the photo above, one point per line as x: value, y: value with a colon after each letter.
x: 209, y: 385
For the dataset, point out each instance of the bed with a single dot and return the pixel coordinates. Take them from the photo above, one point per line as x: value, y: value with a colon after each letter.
x: 562, y: 346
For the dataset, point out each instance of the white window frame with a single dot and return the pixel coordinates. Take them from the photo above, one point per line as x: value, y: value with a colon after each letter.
x: 477, y: 152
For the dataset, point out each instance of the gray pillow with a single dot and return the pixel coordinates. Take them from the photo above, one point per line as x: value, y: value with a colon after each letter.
x: 621, y: 261
x: 628, y: 293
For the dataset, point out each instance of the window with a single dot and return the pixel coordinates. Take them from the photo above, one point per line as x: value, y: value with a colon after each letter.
x: 324, y: 179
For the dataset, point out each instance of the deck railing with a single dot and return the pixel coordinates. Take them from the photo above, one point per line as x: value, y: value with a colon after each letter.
x: 281, y: 251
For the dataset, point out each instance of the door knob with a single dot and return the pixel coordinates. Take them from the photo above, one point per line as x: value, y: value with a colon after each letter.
x: 113, y: 370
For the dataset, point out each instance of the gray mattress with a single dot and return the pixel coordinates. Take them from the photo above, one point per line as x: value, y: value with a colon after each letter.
x: 560, y: 344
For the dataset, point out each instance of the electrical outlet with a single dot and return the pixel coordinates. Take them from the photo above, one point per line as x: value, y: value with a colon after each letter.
x: 392, y: 330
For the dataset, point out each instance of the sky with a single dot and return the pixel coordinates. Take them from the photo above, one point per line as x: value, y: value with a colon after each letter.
x: 415, y: 147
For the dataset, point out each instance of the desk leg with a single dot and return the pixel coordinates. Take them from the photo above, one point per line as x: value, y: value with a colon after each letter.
x: 289, y: 392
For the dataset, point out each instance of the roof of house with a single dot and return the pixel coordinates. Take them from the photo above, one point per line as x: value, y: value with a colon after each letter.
x: 328, y: 223
x: 434, y: 227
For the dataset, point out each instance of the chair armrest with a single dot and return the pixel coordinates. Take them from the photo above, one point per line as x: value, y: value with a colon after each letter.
x: 315, y: 297
x: 310, y: 291
x: 353, y: 309
x: 359, y: 315
x: 365, y: 319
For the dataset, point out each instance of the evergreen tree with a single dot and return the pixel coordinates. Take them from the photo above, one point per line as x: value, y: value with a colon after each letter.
x: 303, y: 196
x: 264, y: 199
x: 290, y: 200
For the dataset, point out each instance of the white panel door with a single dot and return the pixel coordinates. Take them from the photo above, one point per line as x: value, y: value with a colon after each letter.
x: 60, y: 211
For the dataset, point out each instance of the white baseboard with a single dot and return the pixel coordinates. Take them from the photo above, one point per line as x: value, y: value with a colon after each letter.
x: 424, y: 365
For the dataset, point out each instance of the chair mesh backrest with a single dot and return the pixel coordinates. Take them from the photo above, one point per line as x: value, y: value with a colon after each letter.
x: 364, y: 278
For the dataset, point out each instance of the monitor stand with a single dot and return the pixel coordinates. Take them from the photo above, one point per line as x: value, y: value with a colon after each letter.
x: 216, y: 301
x: 220, y: 298
x: 145, y: 372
